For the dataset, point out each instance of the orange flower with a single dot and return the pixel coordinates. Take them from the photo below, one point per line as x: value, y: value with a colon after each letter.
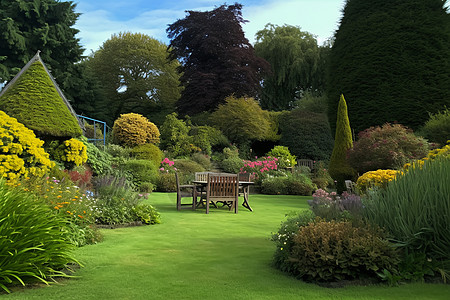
x: 59, y: 196
x: 80, y: 216
x: 56, y: 207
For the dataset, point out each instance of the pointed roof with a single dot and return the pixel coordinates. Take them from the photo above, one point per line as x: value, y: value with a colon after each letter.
x: 34, y: 98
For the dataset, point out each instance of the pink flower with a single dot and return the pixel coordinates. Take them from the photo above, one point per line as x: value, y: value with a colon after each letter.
x: 161, y: 169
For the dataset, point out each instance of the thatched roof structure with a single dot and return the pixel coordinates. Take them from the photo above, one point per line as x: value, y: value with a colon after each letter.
x: 35, y: 100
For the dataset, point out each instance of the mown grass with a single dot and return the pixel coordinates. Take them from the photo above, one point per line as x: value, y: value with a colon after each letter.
x: 192, y: 255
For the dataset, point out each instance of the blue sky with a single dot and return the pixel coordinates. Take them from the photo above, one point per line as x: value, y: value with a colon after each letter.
x: 101, y: 18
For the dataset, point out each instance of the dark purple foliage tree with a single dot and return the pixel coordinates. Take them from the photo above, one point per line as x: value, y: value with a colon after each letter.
x: 217, y: 60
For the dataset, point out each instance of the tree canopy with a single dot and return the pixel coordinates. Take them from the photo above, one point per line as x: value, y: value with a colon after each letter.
x: 45, y: 25
x: 217, y: 60
x: 242, y: 120
x: 298, y: 64
x: 135, y: 76
x: 391, y: 59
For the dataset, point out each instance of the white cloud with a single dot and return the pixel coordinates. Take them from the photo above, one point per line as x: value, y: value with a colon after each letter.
x: 319, y: 17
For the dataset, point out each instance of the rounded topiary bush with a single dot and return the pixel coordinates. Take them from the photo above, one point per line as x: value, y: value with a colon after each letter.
x: 131, y: 130
x: 147, y: 151
x: 143, y: 171
x: 21, y: 152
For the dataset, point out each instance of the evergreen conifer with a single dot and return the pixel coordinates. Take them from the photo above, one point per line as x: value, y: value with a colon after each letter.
x: 339, y: 168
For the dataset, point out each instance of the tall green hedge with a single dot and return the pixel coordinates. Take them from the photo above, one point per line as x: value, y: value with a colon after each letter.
x: 391, y: 59
x: 34, y: 101
x: 306, y: 134
x: 339, y: 168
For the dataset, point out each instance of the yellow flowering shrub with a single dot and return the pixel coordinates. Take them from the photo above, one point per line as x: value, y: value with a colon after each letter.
x: 433, y: 154
x: 71, y: 152
x: 378, y: 178
x: 21, y: 152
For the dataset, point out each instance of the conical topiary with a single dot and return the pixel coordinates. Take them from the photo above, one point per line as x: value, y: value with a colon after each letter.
x: 35, y: 100
x: 339, y: 168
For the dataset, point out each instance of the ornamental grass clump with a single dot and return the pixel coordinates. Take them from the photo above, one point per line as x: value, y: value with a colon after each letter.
x: 415, y: 209
x: 32, y: 245
x: 21, y: 152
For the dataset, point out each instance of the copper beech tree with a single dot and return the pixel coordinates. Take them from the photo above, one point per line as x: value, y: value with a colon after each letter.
x: 217, y: 60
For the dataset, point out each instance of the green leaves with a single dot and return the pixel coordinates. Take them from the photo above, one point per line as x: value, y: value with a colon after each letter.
x: 35, y: 248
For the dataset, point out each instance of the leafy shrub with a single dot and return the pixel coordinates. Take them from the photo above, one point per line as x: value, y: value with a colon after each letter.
x: 118, y: 151
x: 306, y: 134
x: 414, y: 209
x: 231, y: 165
x: 329, y: 251
x: 284, y: 239
x: 98, y: 160
x: 131, y: 130
x: 82, y: 178
x: 378, y: 178
x: 115, y: 201
x: 147, y: 214
x: 202, y: 159
x: 21, y: 152
x: 285, y: 158
x: 387, y: 147
x: 166, y: 182
x: 187, y: 166
x: 205, y: 137
x: 143, y: 171
x: 92, y: 133
x: 241, y: 120
x: 147, y: 151
x: 321, y: 177
x: 174, y: 136
x: 312, y: 103
x: 288, y: 185
x: 437, y: 128
x: 439, y: 152
x: 71, y: 152
x: 32, y: 247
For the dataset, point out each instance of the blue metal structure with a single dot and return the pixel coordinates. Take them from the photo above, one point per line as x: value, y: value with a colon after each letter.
x: 95, y: 123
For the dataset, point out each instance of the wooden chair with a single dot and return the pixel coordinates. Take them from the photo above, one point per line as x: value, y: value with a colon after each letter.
x: 350, y: 185
x: 224, y: 188
x: 185, y: 191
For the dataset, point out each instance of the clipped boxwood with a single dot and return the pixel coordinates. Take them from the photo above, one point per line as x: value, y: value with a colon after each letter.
x: 147, y: 151
x: 143, y: 171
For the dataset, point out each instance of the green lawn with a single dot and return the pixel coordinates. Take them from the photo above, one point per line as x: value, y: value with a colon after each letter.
x: 192, y: 255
